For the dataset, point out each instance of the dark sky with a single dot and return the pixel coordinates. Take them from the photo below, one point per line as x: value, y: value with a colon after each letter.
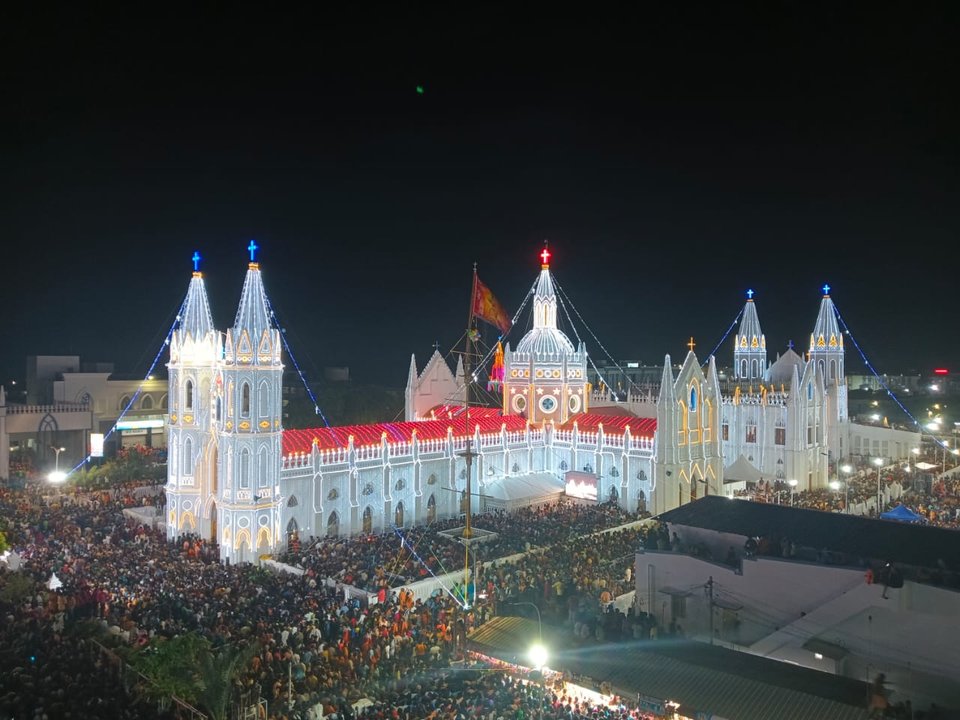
x: 673, y: 162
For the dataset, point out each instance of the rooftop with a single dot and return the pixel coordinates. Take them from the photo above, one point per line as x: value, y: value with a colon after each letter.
x: 905, y: 543
x: 701, y: 677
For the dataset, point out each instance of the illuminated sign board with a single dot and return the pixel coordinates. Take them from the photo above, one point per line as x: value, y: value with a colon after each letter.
x: 581, y: 485
x: 941, y: 371
x: 96, y: 445
x: 140, y: 424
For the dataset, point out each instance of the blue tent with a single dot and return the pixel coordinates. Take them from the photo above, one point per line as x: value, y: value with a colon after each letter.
x: 902, y: 513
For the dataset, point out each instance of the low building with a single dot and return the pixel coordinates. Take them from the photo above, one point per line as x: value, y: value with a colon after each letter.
x: 801, y: 592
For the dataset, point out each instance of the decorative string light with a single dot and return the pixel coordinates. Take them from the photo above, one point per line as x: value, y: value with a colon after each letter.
x: 146, y: 378
x: 723, y: 339
x: 296, y: 365
x: 869, y: 365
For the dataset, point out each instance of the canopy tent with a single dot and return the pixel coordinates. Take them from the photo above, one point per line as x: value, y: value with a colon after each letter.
x: 901, y: 513
x: 742, y: 471
x: 515, y: 491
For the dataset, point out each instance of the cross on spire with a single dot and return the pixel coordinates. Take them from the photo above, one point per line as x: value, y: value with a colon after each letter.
x: 196, y: 261
x: 545, y: 255
x: 436, y: 345
x: 252, y: 249
x: 790, y: 344
x: 691, y: 344
x: 749, y: 294
x: 826, y: 289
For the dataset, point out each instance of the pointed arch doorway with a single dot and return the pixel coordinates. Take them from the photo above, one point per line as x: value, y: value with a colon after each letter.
x: 213, y: 522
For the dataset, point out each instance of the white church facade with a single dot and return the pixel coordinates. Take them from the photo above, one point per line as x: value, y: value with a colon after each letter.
x: 237, y: 476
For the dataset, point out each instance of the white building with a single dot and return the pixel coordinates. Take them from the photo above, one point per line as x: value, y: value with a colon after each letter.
x: 235, y: 474
x: 815, y: 607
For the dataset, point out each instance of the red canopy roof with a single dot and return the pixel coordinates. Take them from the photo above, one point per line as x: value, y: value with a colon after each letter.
x: 336, y: 437
x: 614, y: 424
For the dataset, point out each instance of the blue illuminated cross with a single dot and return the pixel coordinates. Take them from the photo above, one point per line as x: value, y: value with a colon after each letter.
x: 196, y: 261
x: 750, y: 294
x: 252, y: 248
x: 826, y: 289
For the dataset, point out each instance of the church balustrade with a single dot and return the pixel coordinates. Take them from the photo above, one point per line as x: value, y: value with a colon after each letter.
x: 369, y: 452
x: 399, y: 449
x: 642, y: 444
x: 45, y: 409
x: 490, y: 440
x: 296, y: 460
x: 613, y: 441
x: 563, y: 436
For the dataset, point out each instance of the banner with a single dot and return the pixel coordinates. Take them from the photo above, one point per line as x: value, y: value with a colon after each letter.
x: 96, y: 445
x: 487, y: 308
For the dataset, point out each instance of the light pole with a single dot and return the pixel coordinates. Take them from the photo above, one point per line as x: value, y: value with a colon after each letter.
x: 846, y: 470
x: 793, y: 486
x: 835, y: 486
x: 57, y: 450
x: 57, y: 477
x: 878, y: 461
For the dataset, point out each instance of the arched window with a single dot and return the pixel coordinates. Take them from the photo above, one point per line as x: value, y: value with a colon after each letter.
x: 431, y: 509
x: 693, y: 399
x: 146, y: 402
x: 333, y: 524
x: 188, y: 457
x: 245, y: 400
x: 263, y: 401
x: 833, y: 369
x: 754, y: 370
x: 188, y: 404
x: 743, y: 368
x: 219, y: 407
x: 163, y: 402
x: 367, y: 519
x: 124, y: 401
x: 244, y: 468
x: 398, y: 515
x: 263, y: 476
x: 293, y: 502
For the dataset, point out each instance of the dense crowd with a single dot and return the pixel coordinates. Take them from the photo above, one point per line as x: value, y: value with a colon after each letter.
x: 398, y: 557
x: 313, y: 648
x: 934, y: 496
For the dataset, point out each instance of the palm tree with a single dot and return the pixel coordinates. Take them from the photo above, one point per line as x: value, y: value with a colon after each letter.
x: 217, y: 671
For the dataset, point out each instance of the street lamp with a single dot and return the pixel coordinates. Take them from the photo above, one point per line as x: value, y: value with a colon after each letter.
x: 793, y: 486
x: 846, y: 470
x: 57, y: 450
x: 878, y: 461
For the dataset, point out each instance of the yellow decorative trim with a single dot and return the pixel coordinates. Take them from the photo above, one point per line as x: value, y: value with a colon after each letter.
x: 264, y: 424
x: 229, y: 424
x: 188, y: 418
x: 276, y: 424
x: 173, y: 418
x: 244, y: 425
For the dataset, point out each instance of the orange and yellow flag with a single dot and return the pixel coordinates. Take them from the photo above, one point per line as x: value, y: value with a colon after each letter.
x: 487, y: 308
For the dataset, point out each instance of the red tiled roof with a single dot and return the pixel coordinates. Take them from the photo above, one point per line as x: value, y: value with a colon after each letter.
x: 336, y: 437
x: 614, y: 424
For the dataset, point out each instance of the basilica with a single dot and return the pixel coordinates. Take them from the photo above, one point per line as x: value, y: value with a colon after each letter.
x: 237, y: 476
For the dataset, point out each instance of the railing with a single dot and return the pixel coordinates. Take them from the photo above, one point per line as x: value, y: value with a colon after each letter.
x: 44, y: 409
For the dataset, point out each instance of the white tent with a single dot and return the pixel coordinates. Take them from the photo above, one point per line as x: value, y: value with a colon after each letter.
x: 516, y: 491
x: 741, y: 471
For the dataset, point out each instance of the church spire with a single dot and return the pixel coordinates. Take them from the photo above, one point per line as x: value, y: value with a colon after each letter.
x: 544, y: 298
x: 196, y: 319
x: 826, y: 341
x: 749, y: 345
x: 253, y: 314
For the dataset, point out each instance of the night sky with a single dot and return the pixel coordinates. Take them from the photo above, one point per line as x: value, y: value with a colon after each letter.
x: 673, y: 162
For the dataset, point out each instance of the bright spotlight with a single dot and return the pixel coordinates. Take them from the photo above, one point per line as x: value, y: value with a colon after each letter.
x: 538, y: 656
x: 834, y: 485
x: 846, y: 468
x: 57, y: 476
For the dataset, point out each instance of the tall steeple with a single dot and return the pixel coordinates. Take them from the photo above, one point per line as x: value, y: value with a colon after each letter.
x: 749, y: 345
x: 194, y: 352
x: 545, y: 378
x: 826, y: 341
x: 249, y: 428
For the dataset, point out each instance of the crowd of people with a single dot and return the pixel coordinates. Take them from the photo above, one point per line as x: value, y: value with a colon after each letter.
x: 313, y: 650
x: 934, y: 496
x: 398, y: 557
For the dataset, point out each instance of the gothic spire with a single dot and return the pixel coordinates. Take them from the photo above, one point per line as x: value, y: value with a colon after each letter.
x: 826, y: 333
x: 195, y: 318
x: 749, y: 345
x: 253, y: 314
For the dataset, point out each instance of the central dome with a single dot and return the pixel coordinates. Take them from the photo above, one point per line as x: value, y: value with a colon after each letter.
x: 545, y: 341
